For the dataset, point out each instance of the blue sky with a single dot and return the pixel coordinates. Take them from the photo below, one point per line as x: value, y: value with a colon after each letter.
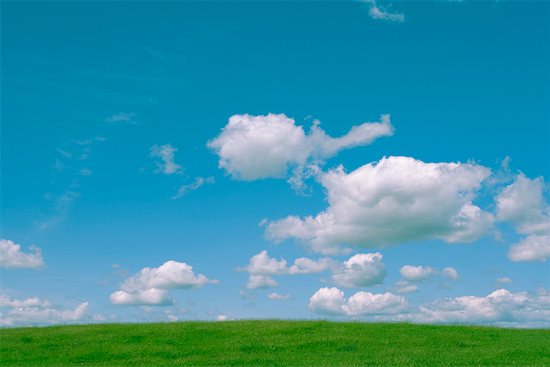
x: 110, y: 109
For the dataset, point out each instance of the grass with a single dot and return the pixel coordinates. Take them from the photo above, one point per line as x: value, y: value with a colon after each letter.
x: 273, y: 343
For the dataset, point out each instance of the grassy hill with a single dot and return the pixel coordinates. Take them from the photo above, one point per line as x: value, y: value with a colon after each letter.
x: 273, y: 343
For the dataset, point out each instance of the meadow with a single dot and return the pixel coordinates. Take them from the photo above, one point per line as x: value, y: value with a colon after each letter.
x: 273, y: 343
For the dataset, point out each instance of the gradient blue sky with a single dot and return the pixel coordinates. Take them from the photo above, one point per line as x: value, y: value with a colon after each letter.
x: 89, y: 88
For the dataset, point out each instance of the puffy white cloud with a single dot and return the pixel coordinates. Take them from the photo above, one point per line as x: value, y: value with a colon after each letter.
x: 522, y: 204
x: 35, y: 311
x: 361, y: 270
x: 395, y: 200
x: 257, y: 147
x: 148, y: 287
x: 278, y: 297
x: 501, y: 306
x: 331, y: 301
x: 531, y: 248
x: 11, y: 256
x: 221, y: 317
x: 166, y: 164
x: 147, y: 297
x: 375, y: 12
x: 416, y: 273
x: 261, y: 267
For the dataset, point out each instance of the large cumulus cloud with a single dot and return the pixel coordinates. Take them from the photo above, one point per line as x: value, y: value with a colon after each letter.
x: 395, y: 200
x: 255, y: 147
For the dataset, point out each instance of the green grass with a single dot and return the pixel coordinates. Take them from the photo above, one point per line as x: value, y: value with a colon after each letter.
x: 273, y: 343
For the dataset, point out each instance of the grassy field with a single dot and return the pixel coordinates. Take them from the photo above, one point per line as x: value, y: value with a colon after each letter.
x: 273, y: 343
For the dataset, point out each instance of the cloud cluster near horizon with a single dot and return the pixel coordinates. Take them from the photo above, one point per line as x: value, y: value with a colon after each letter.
x: 150, y: 286
x: 500, y: 307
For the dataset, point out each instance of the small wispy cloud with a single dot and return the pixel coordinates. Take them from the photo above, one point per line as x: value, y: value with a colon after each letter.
x: 166, y: 165
x: 122, y: 117
x: 85, y: 172
x: 62, y: 206
x: 199, y: 181
x: 377, y: 12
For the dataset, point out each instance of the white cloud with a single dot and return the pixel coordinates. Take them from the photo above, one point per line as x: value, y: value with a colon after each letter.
x: 35, y: 311
x: 278, y: 297
x: 7, y: 301
x: 522, y: 204
x: 416, y: 273
x: 261, y: 281
x: 361, y: 270
x: 501, y: 306
x: 147, y: 297
x: 450, y: 273
x: 404, y: 286
x: 412, y: 275
x: 165, y: 153
x: 221, y: 317
x: 531, y: 248
x: 11, y: 256
x: 257, y: 147
x: 149, y: 286
x: 395, y: 200
x: 199, y: 181
x: 375, y: 12
x: 261, y: 267
x: 504, y: 280
x: 122, y: 117
x: 331, y: 301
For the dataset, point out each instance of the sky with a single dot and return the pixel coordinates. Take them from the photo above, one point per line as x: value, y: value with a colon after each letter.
x: 373, y: 161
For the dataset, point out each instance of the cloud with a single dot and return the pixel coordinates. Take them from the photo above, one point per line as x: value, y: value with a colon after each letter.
x: 531, y: 248
x: 278, y: 297
x: 35, y: 311
x: 504, y: 280
x: 62, y: 207
x: 122, y: 117
x: 416, y: 273
x: 149, y: 285
x: 256, y: 147
x: 11, y: 256
x: 221, y: 317
x: 261, y: 281
x: 500, y: 306
x: 147, y: 297
x: 361, y: 270
x: 331, y: 301
x: 392, y: 201
x: 522, y: 204
x: 261, y: 267
x: 166, y: 165
x: 375, y: 12
x: 404, y: 286
x: 450, y: 273
x: 199, y: 181
x: 412, y: 275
